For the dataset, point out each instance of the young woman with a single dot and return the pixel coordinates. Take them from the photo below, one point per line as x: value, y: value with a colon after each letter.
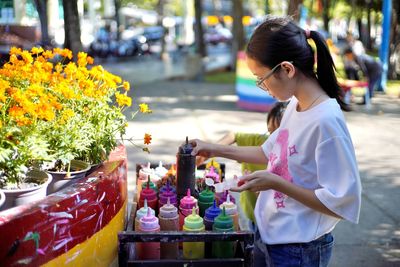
x: 312, y: 179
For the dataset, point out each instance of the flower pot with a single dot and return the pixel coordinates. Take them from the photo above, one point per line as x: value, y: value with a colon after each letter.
x: 16, y: 197
x: 2, y: 198
x: 60, y: 179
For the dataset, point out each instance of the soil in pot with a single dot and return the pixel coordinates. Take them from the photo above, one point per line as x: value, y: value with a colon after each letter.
x: 63, y: 179
x: 34, y: 188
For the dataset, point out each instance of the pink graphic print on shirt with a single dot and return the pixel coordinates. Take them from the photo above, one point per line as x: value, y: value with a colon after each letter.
x: 279, y: 164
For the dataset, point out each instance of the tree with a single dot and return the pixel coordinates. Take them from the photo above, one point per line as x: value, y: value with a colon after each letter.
x: 198, y: 29
x: 117, y: 6
x: 294, y: 9
x: 72, y: 26
x: 160, y: 11
x: 238, y: 40
x: 41, y: 7
x: 325, y: 14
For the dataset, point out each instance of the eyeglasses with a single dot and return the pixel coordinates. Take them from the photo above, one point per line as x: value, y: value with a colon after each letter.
x: 260, y: 82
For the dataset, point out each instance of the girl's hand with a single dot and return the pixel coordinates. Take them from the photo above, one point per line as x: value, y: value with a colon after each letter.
x: 201, y: 148
x: 257, y: 181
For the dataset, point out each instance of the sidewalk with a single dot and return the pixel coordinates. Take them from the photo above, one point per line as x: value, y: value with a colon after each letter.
x: 207, y: 111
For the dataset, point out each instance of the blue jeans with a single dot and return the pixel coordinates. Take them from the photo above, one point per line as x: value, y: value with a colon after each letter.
x: 316, y: 253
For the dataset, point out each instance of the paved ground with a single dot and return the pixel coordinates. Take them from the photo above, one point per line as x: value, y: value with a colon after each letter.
x: 206, y: 111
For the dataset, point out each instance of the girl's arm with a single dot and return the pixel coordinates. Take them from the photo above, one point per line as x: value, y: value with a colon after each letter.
x: 249, y: 154
x: 227, y: 139
x: 264, y: 180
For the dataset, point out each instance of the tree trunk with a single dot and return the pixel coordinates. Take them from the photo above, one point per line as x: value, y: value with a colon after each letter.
x: 160, y: 11
x: 360, y: 29
x: 238, y: 41
x: 325, y: 14
x: 267, y: 11
x: 41, y: 6
x: 368, y: 37
x: 198, y: 29
x: 294, y: 9
x: 72, y: 26
x: 117, y: 5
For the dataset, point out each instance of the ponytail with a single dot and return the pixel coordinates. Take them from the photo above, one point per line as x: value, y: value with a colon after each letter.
x: 326, y: 70
x: 279, y: 39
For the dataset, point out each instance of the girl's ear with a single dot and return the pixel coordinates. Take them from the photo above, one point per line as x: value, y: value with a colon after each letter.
x: 289, y: 68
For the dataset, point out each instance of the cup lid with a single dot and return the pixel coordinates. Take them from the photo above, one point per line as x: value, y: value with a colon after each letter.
x: 146, y: 170
x: 149, y: 222
x: 143, y: 210
x: 148, y: 193
x: 164, y: 196
x: 168, y: 210
x: 186, y: 148
x: 212, y: 174
x: 223, y: 220
x: 168, y: 186
x: 161, y: 171
x: 193, y: 221
x: 212, y: 211
x: 206, y: 196
x: 188, y: 202
x: 229, y: 206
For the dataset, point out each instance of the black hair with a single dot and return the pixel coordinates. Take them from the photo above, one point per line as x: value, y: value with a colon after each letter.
x: 279, y: 39
x: 276, y: 113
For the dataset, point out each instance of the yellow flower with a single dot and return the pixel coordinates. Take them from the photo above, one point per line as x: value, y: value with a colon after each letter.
x: 123, y: 100
x: 147, y: 139
x: 37, y: 50
x: 82, y: 59
x: 144, y: 108
x: 126, y: 85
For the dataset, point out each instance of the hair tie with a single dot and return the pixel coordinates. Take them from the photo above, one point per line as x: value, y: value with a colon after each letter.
x: 307, y: 31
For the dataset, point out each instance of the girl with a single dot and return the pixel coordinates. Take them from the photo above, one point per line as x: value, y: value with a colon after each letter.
x: 312, y: 180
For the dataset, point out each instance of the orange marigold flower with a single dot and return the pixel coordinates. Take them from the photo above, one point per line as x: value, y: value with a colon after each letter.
x: 144, y: 108
x: 48, y: 54
x: 90, y: 60
x: 147, y: 139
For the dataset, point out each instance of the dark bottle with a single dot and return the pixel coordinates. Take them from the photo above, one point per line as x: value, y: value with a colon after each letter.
x: 186, y: 168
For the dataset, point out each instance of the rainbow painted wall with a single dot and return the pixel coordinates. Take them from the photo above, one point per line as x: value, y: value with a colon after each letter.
x: 250, y: 96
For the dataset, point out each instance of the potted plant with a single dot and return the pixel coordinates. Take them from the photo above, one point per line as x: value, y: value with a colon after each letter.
x: 21, y: 142
x: 56, y: 113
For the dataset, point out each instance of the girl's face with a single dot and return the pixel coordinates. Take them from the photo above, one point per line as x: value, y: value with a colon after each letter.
x: 279, y: 84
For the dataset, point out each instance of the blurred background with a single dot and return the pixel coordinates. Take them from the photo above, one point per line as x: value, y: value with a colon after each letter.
x: 193, y: 29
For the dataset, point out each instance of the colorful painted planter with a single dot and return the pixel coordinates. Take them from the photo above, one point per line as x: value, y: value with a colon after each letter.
x: 250, y: 96
x: 76, y: 226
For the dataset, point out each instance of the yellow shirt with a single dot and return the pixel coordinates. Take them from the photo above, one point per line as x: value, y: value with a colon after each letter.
x: 247, y: 198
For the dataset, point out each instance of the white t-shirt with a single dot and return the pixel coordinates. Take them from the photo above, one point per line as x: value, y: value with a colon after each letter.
x: 311, y: 149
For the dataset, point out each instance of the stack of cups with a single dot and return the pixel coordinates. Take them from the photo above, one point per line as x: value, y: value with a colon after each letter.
x: 141, y: 213
x: 231, y: 210
x: 166, y: 195
x: 185, y: 208
x: 193, y: 250
x: 206, y: 199
x: 223, y: 249
x: 169, y: 221
x: 149, y: 250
